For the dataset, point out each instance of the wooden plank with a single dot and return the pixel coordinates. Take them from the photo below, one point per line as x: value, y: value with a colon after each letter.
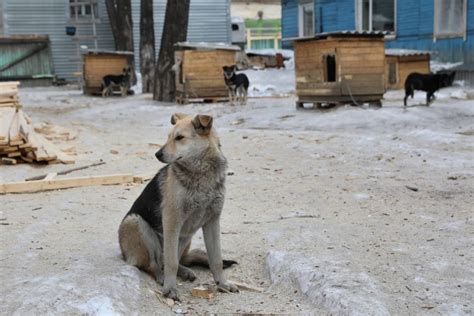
x: 202, y: 292
x: 55, y: 184
x: 143, y: 178
x: 322, y: 91
x: 6, y: 117
x: 246, y: 287
x: 53, y: 151
x: 14, y: 133
x: 14, y: 154
x: 8, y: 161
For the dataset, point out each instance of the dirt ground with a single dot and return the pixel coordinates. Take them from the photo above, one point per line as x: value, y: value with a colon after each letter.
x: 350, y: 211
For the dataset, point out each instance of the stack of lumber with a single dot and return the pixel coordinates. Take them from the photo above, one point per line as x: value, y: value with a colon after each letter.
x: 18, y: 140
x: 9, y: 94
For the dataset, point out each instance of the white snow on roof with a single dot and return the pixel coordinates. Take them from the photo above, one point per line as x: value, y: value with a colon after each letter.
x: 405, y: 52
x: 208, y: 45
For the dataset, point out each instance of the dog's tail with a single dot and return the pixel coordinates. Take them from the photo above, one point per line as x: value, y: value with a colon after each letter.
x: 198, y: 257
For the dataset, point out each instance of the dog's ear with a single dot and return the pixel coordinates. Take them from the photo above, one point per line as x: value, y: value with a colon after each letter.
x: 202, y: 124
x: 224, y: 68
x: 175, y: 117
x: 234, y: 67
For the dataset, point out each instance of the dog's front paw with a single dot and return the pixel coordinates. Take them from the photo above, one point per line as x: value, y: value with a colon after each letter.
x: 186, y: 274
x: 230, y: 287
x: 171, y: 293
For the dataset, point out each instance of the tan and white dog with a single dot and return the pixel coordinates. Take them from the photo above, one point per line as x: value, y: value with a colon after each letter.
x: 185, y: 195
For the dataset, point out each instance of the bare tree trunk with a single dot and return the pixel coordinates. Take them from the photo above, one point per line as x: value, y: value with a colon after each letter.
x: 175, y: 30
x: 120, y: 17
x: 147, y: 45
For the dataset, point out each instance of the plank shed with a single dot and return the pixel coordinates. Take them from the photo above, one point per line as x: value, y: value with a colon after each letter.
x: 340, y: 67
x: 199, y: 73
x: 97, y: 64
x: 402, y: 62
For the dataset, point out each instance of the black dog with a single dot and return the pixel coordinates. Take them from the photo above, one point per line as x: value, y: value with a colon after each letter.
x: 237, y: 84
x: 427, y: 82
x: 122, y: 81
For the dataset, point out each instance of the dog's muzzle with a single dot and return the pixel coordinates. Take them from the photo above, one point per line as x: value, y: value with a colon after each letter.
x: 160, y: 156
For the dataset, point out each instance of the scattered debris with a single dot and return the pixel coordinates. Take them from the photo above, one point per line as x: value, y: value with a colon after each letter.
x: 238, y: 121
x: 202, y: 292
x: 53, y: 132
x: 165, y: 300
x: 466, y: 133
x: 298, y: 215
x: 114, y: 152
x: 247, y: 287
x: 414, y: 189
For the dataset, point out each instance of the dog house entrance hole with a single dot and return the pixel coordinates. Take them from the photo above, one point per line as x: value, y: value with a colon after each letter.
x: 329, y: 68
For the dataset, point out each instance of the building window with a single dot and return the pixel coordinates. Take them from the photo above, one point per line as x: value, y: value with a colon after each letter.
x: 306, y: 19
x: 329, y: 68
x: 450, y: 18
x: 376, y: 15
x: 83, y: 9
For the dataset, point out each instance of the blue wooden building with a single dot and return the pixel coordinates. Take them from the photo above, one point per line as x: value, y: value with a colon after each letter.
x: 444, y: 27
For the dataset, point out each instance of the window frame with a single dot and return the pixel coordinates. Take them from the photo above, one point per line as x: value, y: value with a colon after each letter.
x: 437, y: 34
x: 301, y: 6
x: 81, y: 17
x: 358, y: 17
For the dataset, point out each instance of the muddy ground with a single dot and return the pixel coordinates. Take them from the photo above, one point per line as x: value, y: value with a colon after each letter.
x: 348, y: 211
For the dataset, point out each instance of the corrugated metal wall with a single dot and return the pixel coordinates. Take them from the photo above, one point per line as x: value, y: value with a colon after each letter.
x: 209, y: 21
x: 50, y: 17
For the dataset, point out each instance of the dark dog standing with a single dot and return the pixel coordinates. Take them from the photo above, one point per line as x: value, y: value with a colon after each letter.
x: 427, y: 82
x: 237, y: 84
x: 122, y: 81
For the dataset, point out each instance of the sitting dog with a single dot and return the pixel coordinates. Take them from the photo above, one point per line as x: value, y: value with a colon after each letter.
x: 122, y: 81
x: 187, y: 194
x: 427, y: 82
x: 237, y: 84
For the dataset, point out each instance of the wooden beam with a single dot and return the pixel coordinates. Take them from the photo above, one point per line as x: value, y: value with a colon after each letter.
x: 55, y: 184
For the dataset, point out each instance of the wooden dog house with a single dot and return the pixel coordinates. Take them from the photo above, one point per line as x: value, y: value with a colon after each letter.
x: 199, y: 73
x: 97, y: 64
x: 402, y: 62
x: 340, y: 67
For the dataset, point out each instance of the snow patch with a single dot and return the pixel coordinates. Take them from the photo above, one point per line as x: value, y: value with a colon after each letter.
x: 331, y: 285
x: 436, y: 66
x: 271, y: 82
